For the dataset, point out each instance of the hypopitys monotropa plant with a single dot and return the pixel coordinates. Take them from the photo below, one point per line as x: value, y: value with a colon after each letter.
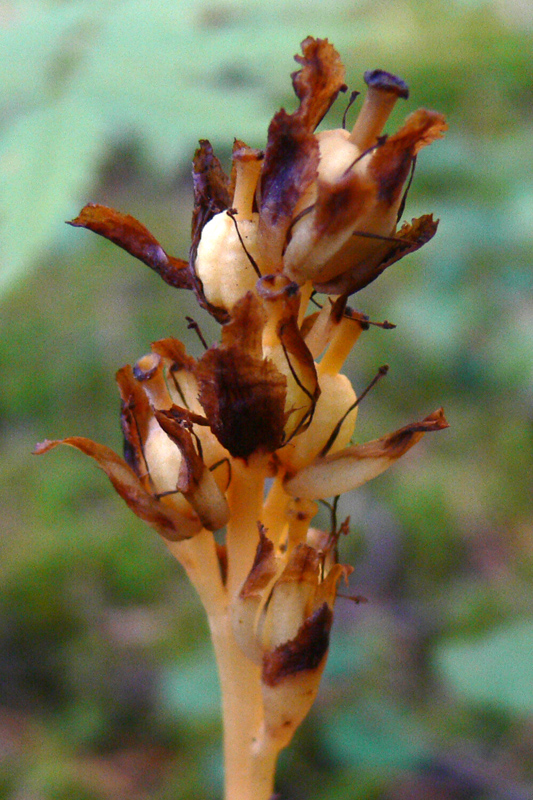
x: 250, y: 435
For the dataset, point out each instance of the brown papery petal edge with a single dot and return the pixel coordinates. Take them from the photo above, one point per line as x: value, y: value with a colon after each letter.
x: 132, y: 236
x: 166, y: 521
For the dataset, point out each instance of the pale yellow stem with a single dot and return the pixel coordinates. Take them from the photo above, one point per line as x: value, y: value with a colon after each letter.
x: 199, y: 559
x: 242, y: 710
x: 264, y: 769
x: 245, y: 498
x: 240, y: 678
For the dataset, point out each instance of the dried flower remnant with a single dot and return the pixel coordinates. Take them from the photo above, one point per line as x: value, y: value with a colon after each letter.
x: 313, y: 211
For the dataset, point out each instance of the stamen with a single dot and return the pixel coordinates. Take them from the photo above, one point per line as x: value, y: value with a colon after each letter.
x: 332, y: 508
x: 384, y: 90
x: 232, y: 213
x: 217, y: 464
x: 193, y: 326
x: 308, y: 416
x: 382, y: 371
x: 353, y: 95
x: 381, y: 141
x: 355, y: 598
x: 131, y: 407
x: 401, y: 209
x: 386, y: 325
x: 177, y: 386
x: 379, y: 236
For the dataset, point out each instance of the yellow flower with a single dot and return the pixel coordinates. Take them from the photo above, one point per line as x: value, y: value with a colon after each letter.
x: 269, y: 401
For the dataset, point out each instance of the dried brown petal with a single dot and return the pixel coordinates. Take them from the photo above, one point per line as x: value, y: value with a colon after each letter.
x: 195, y: 481
x: 192, y: 466
x: 302, y: 567
x: 211, y: 187
x: 128, y: 233
x: 135, y: 416
x: 350, y: 468
x: 319, y: 81
x: 317, y: 238
x: 407, y: 240
x: 284, y: 344
x: 263, y: 569
x: 174, y: 351
x: 290, y: 167
x: 166, y: 521
x: 304, y: 653
x: 390, y: 163
x: 247, y: 604
x: 243, y: 394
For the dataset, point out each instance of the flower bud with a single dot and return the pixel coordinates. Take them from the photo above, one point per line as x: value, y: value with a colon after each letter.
x: 291, y: 599
x: 228, y: 256
x: 349, y: 214
x: 162, y: 457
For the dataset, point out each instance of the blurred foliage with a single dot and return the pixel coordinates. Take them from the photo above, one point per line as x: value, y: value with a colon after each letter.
x: 108, y: 685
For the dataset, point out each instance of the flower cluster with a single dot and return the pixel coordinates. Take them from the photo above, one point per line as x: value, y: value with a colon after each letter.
x: 268, y: 405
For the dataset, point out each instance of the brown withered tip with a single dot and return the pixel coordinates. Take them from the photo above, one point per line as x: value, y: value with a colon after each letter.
x: 304, y: 653
x: 245, y: 153
x: 386, y: 82
x: 146, y: 367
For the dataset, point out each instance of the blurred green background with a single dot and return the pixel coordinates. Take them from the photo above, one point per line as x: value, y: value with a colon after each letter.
x: 107, y: 682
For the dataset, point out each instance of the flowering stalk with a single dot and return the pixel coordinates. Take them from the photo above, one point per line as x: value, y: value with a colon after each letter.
x: 268, y: 406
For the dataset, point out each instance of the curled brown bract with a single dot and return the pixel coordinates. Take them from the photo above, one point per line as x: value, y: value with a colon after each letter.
x: 132, y: 236
x: 166, y: 521
x: 242, y: 393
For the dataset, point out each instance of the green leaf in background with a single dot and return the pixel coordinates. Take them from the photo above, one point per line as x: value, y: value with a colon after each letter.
x: 496, y: 669
x: 376, y: 734
x: 48, y: 156
x: 190, y: 690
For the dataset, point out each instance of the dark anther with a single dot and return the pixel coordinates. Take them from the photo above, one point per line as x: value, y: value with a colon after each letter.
x: 353, y: 95
x: 192, y: 325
